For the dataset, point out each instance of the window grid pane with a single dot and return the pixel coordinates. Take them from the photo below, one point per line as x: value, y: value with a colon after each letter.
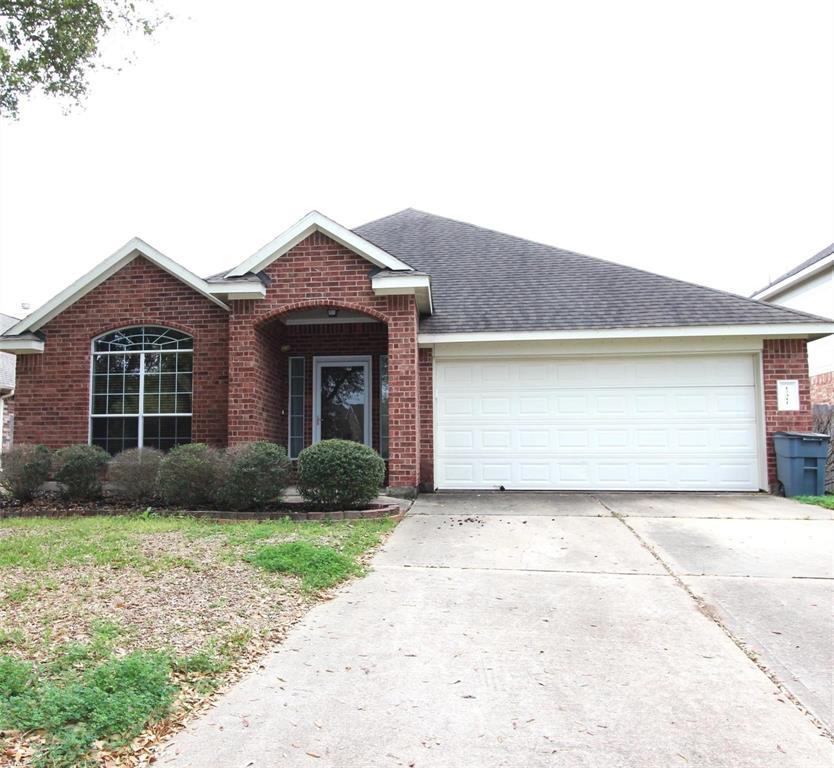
x: 383, y: 406
x: 144, y: 337
x: 296, y: 407
x: 116, y: 407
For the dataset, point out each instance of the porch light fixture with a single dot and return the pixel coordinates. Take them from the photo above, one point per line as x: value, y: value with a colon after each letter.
x: 285, y: 347
x: 332, y: 312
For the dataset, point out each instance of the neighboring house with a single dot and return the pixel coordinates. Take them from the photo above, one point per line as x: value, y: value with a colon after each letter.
x: 809, y: 287
x: 467, y: 357
x: 7, y: 368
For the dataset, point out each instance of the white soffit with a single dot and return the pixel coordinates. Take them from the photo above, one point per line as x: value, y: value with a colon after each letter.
x: 317, y: 222
x: 418, y: 286
x: 238, y: 289
x: 105, y: 269
x: 18, y: 346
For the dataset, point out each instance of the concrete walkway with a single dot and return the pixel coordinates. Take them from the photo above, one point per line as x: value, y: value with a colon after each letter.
x: 554, y: 630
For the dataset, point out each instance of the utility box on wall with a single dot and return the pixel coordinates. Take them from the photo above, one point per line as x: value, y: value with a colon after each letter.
x: 787, y: 395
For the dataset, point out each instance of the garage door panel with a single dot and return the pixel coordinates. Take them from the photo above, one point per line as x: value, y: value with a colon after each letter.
x: 537, y: 404
x: 617, y: 373
x: 563, y: 424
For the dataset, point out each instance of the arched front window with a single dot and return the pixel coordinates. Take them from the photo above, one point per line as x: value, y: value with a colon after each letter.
x: 141, y: 388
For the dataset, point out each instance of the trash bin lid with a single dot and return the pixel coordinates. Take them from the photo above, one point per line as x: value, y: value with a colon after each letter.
x: 804, y: 435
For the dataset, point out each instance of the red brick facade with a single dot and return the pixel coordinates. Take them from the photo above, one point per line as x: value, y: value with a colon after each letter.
x: 315, y: 273
x: 241, y: 357
x: 785, y: 359
x: 822, y: 389
x: 426, y: 418
x: 52, y: 392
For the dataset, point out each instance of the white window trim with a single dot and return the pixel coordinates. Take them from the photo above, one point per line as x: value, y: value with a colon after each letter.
x: 364, y: 360
x: 387, y: 360
x: 289, y: 401
x: 140, y: 415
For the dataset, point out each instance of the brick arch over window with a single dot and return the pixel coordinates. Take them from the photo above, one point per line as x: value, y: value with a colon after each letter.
x: 132, y: 322
x: 53, y: 396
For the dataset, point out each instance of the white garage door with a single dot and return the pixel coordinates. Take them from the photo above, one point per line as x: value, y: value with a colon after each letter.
x: 626, y: 423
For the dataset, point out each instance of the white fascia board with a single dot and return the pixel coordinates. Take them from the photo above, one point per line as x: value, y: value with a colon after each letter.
x: 316, y: 222
x: 21, y: 346
x: 786, y: 330
x: 105, y: 269
x: 235, y: 289
x: 398, y: 285
x: 782, y: 285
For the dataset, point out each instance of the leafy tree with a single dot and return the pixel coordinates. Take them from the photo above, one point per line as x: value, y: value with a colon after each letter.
x: 52, y: 45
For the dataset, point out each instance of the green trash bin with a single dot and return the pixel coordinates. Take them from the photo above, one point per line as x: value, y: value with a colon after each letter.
x: 800, y: 462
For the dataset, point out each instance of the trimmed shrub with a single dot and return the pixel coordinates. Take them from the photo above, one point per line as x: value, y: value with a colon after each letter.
x: 254, y: 474
x: 340, y: 474
x: 133, y: 473
x: 25, y: 468
x: 79, y: 469
x: 190, y: 475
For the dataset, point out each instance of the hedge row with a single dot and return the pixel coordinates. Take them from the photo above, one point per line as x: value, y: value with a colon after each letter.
x: 333, y: 474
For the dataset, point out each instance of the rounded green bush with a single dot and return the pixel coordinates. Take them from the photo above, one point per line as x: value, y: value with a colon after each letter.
x: 254, y: 475
x: 24, y: 469
x: 79, y: 469
x: 340, y: 474
x: 189, y: 475
x: 133, y: 473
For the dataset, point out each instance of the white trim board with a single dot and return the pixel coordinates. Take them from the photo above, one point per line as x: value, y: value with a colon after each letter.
x: 316, y: 222
x: 785, y: 330
x: 418, y: 286
x: 101, y: 272
x: 17, y: 346
x: 787, y: 282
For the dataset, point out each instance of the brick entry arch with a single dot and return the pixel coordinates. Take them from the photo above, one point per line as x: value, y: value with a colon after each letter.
x: 321, y: 273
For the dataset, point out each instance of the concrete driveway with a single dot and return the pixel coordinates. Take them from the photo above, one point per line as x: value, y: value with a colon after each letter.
x: 627, y: 630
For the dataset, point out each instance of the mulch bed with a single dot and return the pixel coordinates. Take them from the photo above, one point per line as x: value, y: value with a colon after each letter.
x: 54, y: 506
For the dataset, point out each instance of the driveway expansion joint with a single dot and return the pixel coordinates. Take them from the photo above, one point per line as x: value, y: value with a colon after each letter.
x: 387, y: 566
x: 709, y: 613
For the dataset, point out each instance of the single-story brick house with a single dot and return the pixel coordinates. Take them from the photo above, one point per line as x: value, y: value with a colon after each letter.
x: 468, y: 358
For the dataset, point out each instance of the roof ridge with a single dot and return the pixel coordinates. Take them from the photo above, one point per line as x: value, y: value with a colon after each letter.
x: 615, y: 263
x: 386, y: 217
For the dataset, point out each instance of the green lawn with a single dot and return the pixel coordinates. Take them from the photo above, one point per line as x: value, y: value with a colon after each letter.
x: 115, y: 626
x: 826, y: 501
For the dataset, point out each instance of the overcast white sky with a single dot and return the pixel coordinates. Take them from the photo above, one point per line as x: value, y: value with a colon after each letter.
x: 691, y: 139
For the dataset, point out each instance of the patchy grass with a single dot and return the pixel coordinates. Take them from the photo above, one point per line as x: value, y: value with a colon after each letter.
x: 318, y: 567
x: 826, y: 501
x: 113, y: 628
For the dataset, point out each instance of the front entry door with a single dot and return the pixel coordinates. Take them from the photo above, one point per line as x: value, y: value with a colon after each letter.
x: 342, y: 399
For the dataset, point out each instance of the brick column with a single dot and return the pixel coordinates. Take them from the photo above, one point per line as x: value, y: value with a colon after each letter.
x: 403, y: 393
x: 784, y: 359
x: 246, y: 361
x: 426, y: 420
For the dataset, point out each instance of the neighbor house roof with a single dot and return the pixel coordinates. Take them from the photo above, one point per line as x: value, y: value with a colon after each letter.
x: 799, y: 272
x: 487, y: 281
x: 7, y: 362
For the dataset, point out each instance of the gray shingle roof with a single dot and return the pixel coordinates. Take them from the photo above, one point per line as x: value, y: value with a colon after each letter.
x: 7, y: 361
x: 484, y: 280
x: 799, y: 267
